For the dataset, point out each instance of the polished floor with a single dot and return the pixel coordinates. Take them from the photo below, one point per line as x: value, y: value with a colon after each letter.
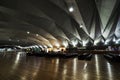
x: 18, y: 66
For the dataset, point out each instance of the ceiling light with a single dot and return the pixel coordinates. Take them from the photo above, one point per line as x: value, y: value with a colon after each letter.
x: 114, y: 40
x: 71, y: 9
x: 57, y: 45
x: 50, y: 46
x: 84, y: 43
x: 37, y: 35
x: 65, y: 43
x: 74, y: 43
x: 28, y: 32
x: 106, y: 43
x: 117, y: 42
x: 81, y: 25
x: 95, y: 42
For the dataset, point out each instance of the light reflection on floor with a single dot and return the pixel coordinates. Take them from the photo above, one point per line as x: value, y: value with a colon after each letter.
x: 109, y: 71
x: 97, y: 67
x: 18, y: 66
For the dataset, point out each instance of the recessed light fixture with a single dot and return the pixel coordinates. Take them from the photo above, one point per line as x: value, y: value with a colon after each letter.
x: 71, y: 9
x: 28, y: 32
x: 81, y: 25
x: 37, y: 35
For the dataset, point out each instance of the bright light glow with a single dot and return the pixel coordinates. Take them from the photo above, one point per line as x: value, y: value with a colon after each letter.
x: 33, y: 47
x: 95, y: 42
x: 57, y: 61
x: 74, y: 43
x: 49, y: 49
x: 50, y: 46
x: 117, y: 42
x: 85, y: 66
x: 17, y: 57
x: 81, y: 25
x: 114, y: 40
x: 97, y: 65
x: 37, y: 35
x: 2, y: 50
x: 41, y: 47
x: 28, y: 32
x: 102, y: 40
x: 65, y: 69
x: 75, y: 65
x: 45, y: 46
x: 84, y: 43
x: 56, y: 49
x: 64, y: 72
x: 62, y: 49
x: 17, y: 60
x: 36, y: 46
x: 57, y: 44
x: 20, y: 47
x: 109, y: 71
x: 106, y: 42
x: 71, y: 9
x: 85, y: 76
x: 56, y: 66
x: 65, y: 44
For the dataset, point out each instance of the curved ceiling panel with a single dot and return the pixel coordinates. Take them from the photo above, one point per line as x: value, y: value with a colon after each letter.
x: 50, y: 23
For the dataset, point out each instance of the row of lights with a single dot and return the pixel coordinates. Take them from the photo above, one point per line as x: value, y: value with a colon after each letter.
x: 11, y: 40
x: 29, y: 33
x: 74, y: 43
x: 116, y: 41
x: 71, y: 9
x: 95, y: 43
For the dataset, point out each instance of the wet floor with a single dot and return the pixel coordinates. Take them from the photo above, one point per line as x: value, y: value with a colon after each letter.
x: 18, y: 66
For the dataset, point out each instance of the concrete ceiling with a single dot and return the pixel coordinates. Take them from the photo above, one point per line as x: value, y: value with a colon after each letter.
x: 50, y: 23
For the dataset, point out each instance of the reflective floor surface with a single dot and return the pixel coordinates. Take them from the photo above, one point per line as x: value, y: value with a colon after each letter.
x: 18, y: 66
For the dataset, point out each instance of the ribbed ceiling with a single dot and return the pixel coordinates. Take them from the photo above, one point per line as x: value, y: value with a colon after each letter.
x: 50, y: 22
